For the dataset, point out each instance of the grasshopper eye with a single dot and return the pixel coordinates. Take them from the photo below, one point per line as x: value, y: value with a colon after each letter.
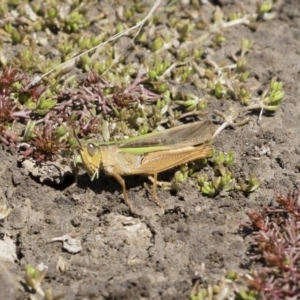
x: 92, y: 149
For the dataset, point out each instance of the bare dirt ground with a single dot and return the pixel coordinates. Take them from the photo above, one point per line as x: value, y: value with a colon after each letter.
x: 158, y: 254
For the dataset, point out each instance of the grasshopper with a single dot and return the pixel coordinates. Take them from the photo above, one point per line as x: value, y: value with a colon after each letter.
x: 148, y: 154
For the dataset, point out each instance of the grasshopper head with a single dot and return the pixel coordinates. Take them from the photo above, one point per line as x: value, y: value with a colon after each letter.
x: 90, y: 157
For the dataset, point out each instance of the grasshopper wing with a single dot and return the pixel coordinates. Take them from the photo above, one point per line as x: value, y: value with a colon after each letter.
x: 181, y: 136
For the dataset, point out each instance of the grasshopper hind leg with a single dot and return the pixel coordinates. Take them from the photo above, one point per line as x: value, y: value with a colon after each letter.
x: 154, y: 191
x: 125, y: 196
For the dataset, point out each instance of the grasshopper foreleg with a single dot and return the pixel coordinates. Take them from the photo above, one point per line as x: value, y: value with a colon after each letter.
x: 122, y: 183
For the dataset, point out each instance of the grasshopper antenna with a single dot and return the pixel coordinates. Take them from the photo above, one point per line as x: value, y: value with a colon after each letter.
x: 74, y: 164
x: 77, y: 139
